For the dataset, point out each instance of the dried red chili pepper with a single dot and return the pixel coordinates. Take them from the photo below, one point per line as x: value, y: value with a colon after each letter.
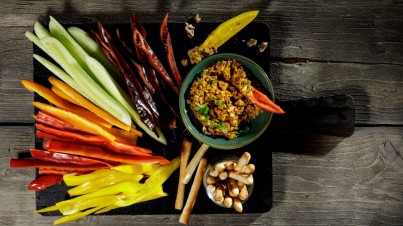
x: 153, y: 60
x: 132, y: 83
x: 167, y: 44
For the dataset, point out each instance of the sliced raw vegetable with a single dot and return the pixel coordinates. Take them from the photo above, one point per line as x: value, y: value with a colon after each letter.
x: 75, y: 120
x: 40, y: 30
x: 87, y: 85
x: 73, y: 180
x: 93, y: 185
x: 33, y: 163
x: 77, y: 52
x: 92, y: 48
x: 45, y: 181
x: 95, y: 152
x: 62, y: 103
x: 64, y: 158
x: 85, y: 103
x: 147, y: 169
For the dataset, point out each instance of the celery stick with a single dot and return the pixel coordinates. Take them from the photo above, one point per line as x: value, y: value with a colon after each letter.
x: 92, y: 48
x: 91, y: 89
x: 41, y: 31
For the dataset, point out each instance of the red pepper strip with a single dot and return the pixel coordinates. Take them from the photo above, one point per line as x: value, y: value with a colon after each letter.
x: 262, y: 101
x: 64, y: 158
x: 167, y: 44
x: 95, y: 152
x: 49, y: 120
x: 153, y: 60
x: 43, y: 171
x: 41, y: 134
x: 47, y: 132
x: 45, y: 181
x: 34, y: 163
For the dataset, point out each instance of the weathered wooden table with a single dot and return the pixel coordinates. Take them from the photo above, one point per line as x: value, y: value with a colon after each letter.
x: 317, y: 48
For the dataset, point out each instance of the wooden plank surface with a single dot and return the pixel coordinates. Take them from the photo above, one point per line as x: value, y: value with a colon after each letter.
x: 317, y: 48
x: 327, y: 180
x: 361, y: 40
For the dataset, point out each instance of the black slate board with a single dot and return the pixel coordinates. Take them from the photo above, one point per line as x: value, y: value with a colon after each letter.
x: 261, y: 199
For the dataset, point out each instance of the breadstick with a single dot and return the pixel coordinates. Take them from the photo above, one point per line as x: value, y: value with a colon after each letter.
x: 242, y: 162
x: 240, y: 177
x: 223, y: 175
x: 219, y: 193
x: 220, y: 167
x: 243, y: 193
x: 185, y: 153
x: 238, y: 205
x: 227, y: 201
x: 230, y: 165
x: 187, y: 210
x: 210, y: 180
x: 249, y: 169
x: 232, y: 187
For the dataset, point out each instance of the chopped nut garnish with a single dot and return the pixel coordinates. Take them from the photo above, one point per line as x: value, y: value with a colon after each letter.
x: 184, y: 62
x: 190, y: 30
x: 262, y: 46
x: 251, y: 42
x: 197, y: 18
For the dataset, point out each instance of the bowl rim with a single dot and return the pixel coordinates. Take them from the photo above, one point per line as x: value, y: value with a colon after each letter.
x: 194, y: 72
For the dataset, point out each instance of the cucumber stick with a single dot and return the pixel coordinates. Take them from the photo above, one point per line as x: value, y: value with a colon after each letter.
x: 41, y: 31
x: 60, y: 33
x: 87, y: 85
x: 93, y: 49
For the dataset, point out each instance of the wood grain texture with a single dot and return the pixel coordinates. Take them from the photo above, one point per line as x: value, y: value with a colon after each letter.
x: 361, y: 41
x: 326, y: 180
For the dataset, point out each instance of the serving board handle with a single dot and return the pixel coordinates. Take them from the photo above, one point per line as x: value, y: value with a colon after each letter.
x: 328, y: 115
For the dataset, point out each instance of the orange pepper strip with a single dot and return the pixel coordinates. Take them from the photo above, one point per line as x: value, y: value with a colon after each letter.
x: 75, y: 120
x: 62, y: 103
x: 85, y: 103
x: 61, y: 94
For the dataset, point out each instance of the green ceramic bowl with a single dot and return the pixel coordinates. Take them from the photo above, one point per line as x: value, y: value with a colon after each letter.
x: 259, y: 124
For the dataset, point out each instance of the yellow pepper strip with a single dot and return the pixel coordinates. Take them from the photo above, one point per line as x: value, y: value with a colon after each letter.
x: 147, y: 169
x: 160, y: 176
x: 76, y: 216
x: 50, y: 96
x: 133, y: 200
x: 75, y: 120
x: 90, y: 203
x: 85, y: 103
x: 228, y: 29
x: 73, y: 180
x: 125, y: 187
x: 93, y: 185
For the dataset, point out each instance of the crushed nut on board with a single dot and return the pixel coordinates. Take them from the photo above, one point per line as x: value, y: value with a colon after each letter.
x: 190, y: 30
x: 197, y: 18
x: 185, y: 62
x: 262, y: 46
x: 251, y: 42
